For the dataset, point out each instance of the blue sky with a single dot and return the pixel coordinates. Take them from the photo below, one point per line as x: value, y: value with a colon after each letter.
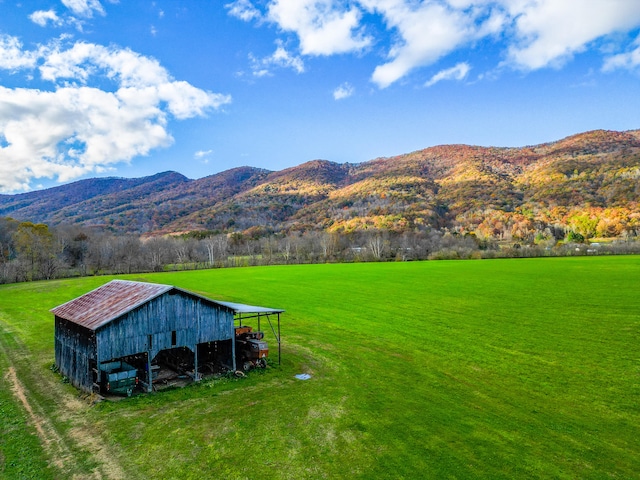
x: 97, y: 87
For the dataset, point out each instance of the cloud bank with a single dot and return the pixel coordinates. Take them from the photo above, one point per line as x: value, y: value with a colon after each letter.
x: 74, y: 128
x: 531, y: 34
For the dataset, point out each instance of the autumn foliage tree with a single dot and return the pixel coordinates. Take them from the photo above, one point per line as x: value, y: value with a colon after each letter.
x: 35, y: 247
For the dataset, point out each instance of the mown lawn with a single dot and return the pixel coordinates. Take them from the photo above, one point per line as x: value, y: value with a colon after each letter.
x: 466, y: 369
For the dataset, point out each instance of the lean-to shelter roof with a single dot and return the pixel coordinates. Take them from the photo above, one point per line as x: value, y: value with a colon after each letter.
x: 242, y: 308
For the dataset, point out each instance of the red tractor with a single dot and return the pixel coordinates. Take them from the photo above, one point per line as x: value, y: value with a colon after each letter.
x: 251, y: 350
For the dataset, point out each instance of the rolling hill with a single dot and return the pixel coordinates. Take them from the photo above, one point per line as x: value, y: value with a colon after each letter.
x: 486, y: 190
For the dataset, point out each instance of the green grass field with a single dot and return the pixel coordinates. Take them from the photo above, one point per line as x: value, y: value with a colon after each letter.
x: 454, y: 369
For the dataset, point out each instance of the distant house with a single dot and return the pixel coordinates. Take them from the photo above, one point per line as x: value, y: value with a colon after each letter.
x: 141, y: 322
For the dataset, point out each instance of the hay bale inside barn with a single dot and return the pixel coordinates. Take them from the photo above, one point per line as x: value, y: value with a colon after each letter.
x: 140, y: 325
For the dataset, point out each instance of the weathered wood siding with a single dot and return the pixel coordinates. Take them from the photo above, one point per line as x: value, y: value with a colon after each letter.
x: 193, y: 319
x: 74, y: 349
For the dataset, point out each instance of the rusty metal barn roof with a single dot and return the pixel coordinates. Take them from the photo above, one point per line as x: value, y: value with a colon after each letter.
x: 108, y: 302
x: 112, y: 300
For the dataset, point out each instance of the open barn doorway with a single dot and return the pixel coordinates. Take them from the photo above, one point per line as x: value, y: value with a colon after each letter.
x: 215, y: 358
x: 180, y: 366
x: 173, y: 367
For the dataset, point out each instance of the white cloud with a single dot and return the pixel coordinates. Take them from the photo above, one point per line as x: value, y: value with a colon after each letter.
x: 83, y: 60
x: 324, y: 27
x: 343, y: 91
x: 549, y: 32
x: 84, y: 8
x: 73, y: 131
x: 12, y: 56
x: 459, y: 72
x: 203, y: 155
x: 244, y: 10
x: 530, y: 34
x: 281, y: 58
x: 43, y: 17
x: 628, y: 60
x: 76, y: 128
x: 427, y: 32
x: 78, y: 13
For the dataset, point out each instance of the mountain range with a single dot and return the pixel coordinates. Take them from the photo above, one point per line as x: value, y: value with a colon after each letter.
x: 448, y: 186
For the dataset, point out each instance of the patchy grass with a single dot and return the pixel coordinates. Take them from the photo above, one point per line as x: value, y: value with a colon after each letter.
x: 488, y: 369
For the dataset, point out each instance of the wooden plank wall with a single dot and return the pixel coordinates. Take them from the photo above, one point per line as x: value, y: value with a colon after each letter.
x: 74, y: 348
x: 194, y: 321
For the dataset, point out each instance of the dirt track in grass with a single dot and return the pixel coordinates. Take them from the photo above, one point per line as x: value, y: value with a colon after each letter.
x: 56, y: 446
x: 51, y: 441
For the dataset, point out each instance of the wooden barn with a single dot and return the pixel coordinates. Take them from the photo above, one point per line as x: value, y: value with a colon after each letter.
x: 140, y: 324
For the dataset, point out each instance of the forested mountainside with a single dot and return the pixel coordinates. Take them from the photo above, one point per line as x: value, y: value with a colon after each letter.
x: 588, y: 183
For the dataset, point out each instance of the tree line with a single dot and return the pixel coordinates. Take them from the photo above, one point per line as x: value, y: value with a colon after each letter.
x: 31, y: 251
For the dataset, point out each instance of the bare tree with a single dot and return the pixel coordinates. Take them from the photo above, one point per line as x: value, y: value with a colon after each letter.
x: 101, y: 253
x: 181, y: 250
x: 268, y: 247
x: 73, y: 244
x: 378, y: 244
x: 284, y: 248
x: 127, y: 254
x: 328, y: 243
x: 217, y: 249
x: 158, y: 253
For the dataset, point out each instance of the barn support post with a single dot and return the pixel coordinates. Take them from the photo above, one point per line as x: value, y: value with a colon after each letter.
x: 233, y: 347
x: 196, y: 377
x: 277, y: 335
x: 149, y: 374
